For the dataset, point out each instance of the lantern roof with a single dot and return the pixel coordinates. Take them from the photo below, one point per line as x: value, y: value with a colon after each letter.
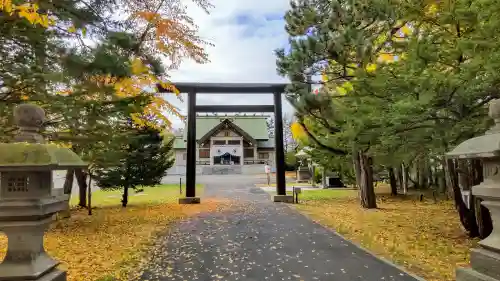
x: 486, y: 146
x: 36, y: 156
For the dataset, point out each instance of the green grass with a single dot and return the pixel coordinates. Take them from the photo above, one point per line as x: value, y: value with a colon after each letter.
x: 330, y: 193
x: 322, y: 194
x: 295, y: 184
x: 327, y: 194
x: 151, y: 195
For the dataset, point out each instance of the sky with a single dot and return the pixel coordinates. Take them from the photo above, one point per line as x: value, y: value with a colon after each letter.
x: 245, y: 35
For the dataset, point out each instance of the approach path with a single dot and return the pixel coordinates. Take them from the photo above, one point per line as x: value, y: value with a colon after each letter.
x: 259, y: 241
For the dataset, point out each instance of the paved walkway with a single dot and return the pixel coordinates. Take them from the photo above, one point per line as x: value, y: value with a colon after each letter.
x: 260, y: 241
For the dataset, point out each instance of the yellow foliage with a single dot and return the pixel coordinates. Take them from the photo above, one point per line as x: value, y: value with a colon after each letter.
x: 386, y: 57
x: 406, y: 30
x: 371, y: 67
x: 432, y: 10
x: 297, y: 131
x: 324, y: 77
x: 341, y: 91
x: 424, y: 237
x: 27, y: 11
x: 173, y: 37
x: 138, y: 67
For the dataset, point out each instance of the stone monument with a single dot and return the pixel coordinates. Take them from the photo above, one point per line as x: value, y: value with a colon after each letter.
x: 27, y: 200
x: 485, y: 260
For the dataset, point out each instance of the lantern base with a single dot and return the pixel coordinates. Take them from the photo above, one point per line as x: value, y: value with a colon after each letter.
x: 54, y: 275
x: 469, y: 274
x: 485, y: 266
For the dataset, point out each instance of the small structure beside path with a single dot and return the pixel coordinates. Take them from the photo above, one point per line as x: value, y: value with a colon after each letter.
x: 28, y: 201
x: 485, y: 260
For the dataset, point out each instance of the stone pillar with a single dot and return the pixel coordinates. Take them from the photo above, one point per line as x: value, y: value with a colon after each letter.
x: 255, y: 154
x: 242, y: 149
x: 485, y: 260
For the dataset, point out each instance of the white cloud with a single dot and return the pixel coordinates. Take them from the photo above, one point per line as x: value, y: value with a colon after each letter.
x: 245, y: 35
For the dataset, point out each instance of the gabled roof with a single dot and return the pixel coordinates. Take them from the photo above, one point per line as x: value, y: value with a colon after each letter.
x: 231, y: 125
x: 255, y: 126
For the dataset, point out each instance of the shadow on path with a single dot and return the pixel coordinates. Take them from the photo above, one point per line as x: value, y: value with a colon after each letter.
x: 259, y: 241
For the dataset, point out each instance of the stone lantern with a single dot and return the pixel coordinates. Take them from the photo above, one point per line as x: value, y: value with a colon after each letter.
x: 27, y: 200
x: 303, y: 171
x: 485, y: 260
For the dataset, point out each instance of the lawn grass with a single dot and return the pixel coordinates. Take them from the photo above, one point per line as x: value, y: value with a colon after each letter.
x: 163, y: 193
x: 274, y: 184
x: 112, y: 241
x: 424, y: 237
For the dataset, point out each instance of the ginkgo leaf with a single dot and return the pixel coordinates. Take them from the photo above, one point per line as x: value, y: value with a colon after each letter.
x: 341, y: 91
x: 324, y: 77
x: 27, y: 12
x: 432, y: 9
x: 138, y: 67
x: 6, y: 5
x: 406, y: 30
x: 348, y: 86
x: 297, y: 131
x: 371, y: 67
x: 386, y: 57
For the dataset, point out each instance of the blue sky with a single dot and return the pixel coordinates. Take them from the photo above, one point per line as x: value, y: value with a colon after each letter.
x: 245, y: 35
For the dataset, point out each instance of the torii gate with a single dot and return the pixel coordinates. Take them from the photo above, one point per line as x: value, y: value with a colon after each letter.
x: 277, y: 89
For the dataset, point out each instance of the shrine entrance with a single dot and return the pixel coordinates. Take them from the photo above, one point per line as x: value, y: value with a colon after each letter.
x: 191, y: 89
x: 227, y: 159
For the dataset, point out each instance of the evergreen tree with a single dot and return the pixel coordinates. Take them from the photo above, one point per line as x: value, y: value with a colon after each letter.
x: 143, y: 161
x: 403, y: 83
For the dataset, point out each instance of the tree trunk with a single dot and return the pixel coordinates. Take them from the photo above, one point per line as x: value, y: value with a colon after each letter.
x: 404, y: 173
x: 399, y: 177
x: 422, y: 174
x: 448, y: 174
x: 467, y: 218
x: 68, y: 182
x: 81, y: 178
x: 367, y: 191
x: 126, y: 185
x: 393, y: 182
x: 357, y: 168
x: 89, y: 192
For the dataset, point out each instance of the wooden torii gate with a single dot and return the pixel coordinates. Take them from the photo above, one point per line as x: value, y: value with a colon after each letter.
x: 191, y: 89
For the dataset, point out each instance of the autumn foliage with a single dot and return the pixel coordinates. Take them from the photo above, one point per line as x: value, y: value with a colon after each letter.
x: 164, y: 29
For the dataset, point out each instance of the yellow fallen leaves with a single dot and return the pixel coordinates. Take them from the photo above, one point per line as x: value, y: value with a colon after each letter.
x: 424, y: 237
x: 108, y: 242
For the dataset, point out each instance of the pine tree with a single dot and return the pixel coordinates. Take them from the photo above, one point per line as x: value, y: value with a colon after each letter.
x: 143, y: 161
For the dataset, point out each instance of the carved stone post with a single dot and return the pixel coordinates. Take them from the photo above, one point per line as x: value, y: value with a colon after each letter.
x: 485, y: 260
x: 27, y: 201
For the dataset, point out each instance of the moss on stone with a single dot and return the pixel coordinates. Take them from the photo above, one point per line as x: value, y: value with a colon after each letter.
x: 29, y: 154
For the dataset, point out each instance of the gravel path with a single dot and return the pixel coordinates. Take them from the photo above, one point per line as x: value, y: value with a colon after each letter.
x: 258, y: 241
